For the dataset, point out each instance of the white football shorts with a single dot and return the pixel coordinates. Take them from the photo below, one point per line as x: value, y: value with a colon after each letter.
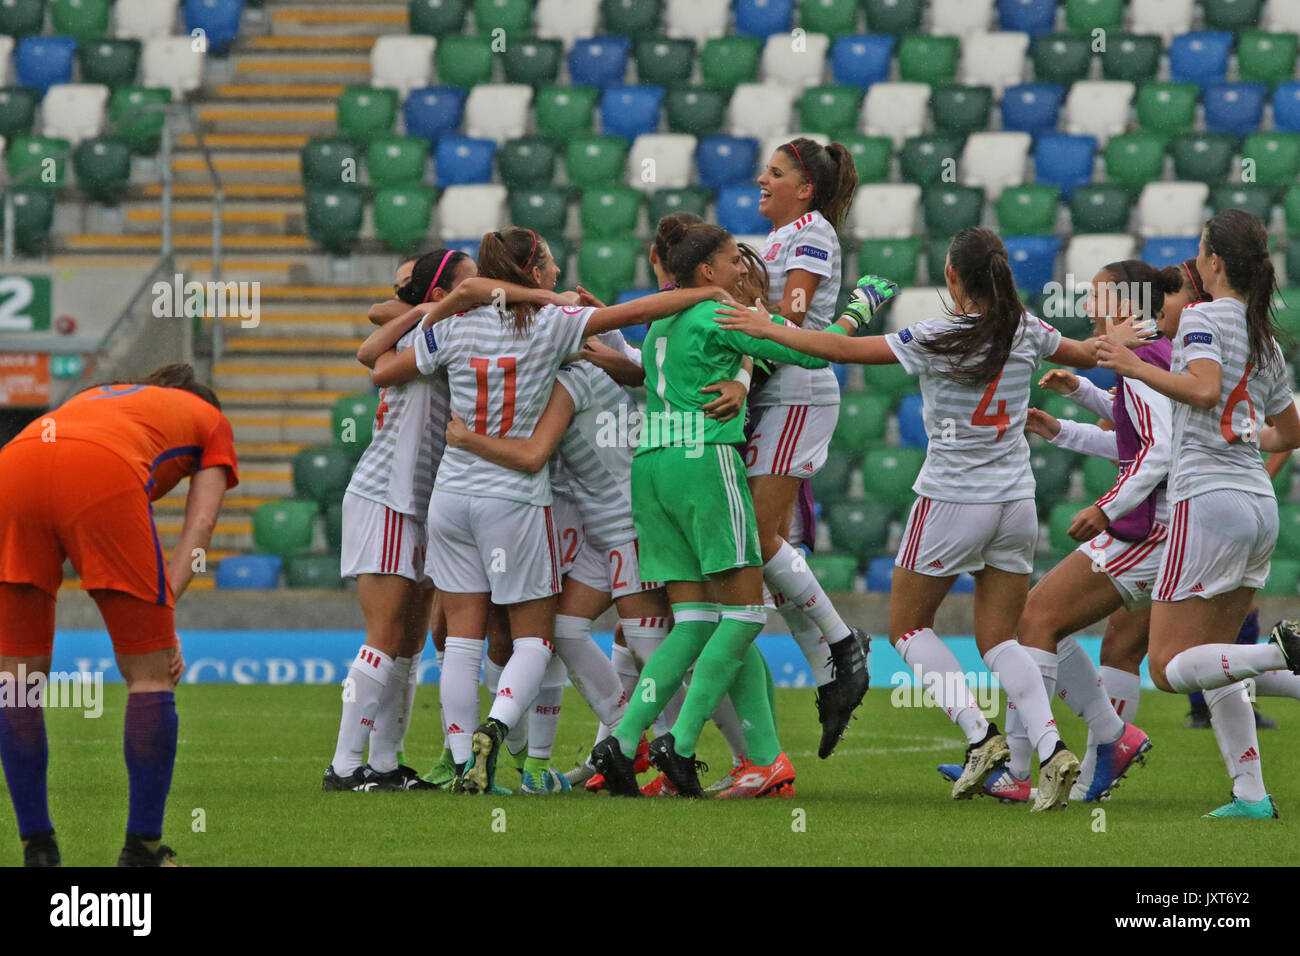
x: 1218, y: 541
x: 617, y: 570
x: 791, y: 440
x: 1132, y: 566
x: 943, y: 538
x: 379, y: 540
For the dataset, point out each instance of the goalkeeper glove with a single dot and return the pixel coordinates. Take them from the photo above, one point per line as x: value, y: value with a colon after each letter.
x: 867, y: 299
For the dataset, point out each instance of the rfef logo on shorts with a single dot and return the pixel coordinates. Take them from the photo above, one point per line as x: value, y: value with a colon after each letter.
x: 813, y: 252
x: 905, y: 336
x: 1202, y: 338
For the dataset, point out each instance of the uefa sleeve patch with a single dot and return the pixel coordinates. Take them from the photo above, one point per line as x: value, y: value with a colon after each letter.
x: 905, y: 336
x: 429, y: 342
x: 812, y: 252
x: 1198, y: 338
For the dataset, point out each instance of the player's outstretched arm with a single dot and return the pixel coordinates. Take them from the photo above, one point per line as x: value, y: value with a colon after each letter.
x: 650, y: 307
x: 202, y: 506
x: 386, y: 337
x: 383, y: 312
x: 529, y: 454
x: 758, y: 323
x: 480, y: 290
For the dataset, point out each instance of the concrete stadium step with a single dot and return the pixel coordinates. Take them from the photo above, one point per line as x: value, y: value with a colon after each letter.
x: 229, y: 534
x: 248, y: 117
x: 295, y: 67
x: 304, y: 44
x: 172, y: 504
x: 199, y: 241
x: 290, y: 375
x: 272, y: 481
x: 322, y: 20
x: 280, y: 91
x: 231, y: 190
x: 318, y: 399
x: 251, y: 346
x: 194, y: 218
x: 273, y: 168
x: 335, y: 294
x: 310, y: 426
x: 353, y: 326
x: 244, y: 141
x: 276, y: 452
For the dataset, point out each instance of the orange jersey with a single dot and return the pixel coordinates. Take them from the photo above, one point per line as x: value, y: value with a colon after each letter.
x: 164, y: 434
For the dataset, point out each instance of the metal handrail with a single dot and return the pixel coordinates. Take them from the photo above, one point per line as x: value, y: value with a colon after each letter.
x: 218, y: 207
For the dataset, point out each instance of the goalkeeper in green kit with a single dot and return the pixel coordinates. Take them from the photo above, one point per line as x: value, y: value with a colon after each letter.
x: 696, y: 530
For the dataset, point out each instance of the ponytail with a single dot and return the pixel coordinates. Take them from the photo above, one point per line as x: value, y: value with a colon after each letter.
x: 1239, y: 239
x: 510, y: 256
x: 830, y: 172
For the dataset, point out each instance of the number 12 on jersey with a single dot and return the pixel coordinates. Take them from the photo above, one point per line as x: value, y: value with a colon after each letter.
x: 480, y: 366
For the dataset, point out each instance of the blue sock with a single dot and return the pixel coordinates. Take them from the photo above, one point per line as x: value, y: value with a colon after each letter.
x: 1249, y: 634
x: 25, y: 756
x: 149, y: 743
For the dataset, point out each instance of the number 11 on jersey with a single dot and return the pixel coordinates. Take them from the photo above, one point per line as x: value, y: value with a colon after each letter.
x: 480, y: 366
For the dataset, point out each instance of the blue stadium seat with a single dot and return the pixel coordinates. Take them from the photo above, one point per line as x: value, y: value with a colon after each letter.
x: 469, y: 247
x: 1234, y: 107
x: 1286, y: 108
x: 218, y: 19
x: 433, y: 112
x: 1033, y: 260
x: 880, y: 574
x: 249, y: 572
x: 460, y: 160
x: 762, y: 18
x: 1065, y: 160
x: 1162, y: 251
x: 1200, y: 57
x: 1027, y: 16
x: 599, y: 61
x: 911, y: 424
x: 841, y: 376
x: 629, y: 295
x: 723, y: 160
x: 629, y: 111
x: 1103, y: 378
x: 738, y: 210
x: 1031, y: 107
x: 43, y: 61
x: 862, y: 60
x: 965, y: 584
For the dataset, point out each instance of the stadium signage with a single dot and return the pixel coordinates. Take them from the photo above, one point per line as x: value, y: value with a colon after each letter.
x: 24, y: 303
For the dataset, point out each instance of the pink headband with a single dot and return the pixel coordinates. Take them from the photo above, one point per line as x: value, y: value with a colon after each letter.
x: 803, y: 167
x: 437, y: 275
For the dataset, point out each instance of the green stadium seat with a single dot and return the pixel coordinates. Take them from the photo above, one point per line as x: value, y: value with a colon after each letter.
x: 527, y: 163
x: 950, y: 209
x: 928, y: 59
x: 352, y: 420
x: 285, y: 528
x: 560, y: 251
x: 334, y: 526
x: 1100, y: 207
x: 609, y: 212
x: 563, y: 112
x: 961, y: 110
x: 1132, y: 58
x: 17, y: 110
x: 1266, y: 57
x: 1288, y: 534
x: 1287, y: 304
x: 1291, y: 207
x: 895, y: 259
x: 1276, y: 157
x: 402, y: 215
x: 1028, y: 210
x: 1282, y: 483
x: 934, y: 259
x: 330, y: 162
x: 437, y: 17
x: 1203, y: 157
x: 595, y: 160
x: 1059, y: 520
x: 1059, y: 406
x: 632, y: 18
x: 25, y: 159
x: 698, y: 110
x: 84, y: 20
x: 515, y: 17
x: 1252, y: 197
x: 103, y: 168
x: 464, y: 60
x: 315, y: 571
x: 831, y: 17
x: 397, y: 160
x: 831, y: 484
x: 321, y: 473
x: 888, y: 475
x: 898, y: 17
x: 1084, y: 16
x: 830, y: 109
x: 726, y: 62
x: 533, y: 61
x: 18, y: 18
x: 666, y: 202
x: 859, y: 528
x: 834, y: 572
x: 366, y: 111
x: 1062, y: 58
x: 1283, y: 579
x: 334, y: 215
x: 862, y: 422
x: 112, y: 63
x: 541, y: 210
x: 1098, y: 476
x: 1293, y: 262
x: 664, y: 61
x: 607, y: 266
x: 1135, y: 159
x: 871, y: 156
x: 33, y: 218
x: 1231, y: 14
x: 891, y: 380
x: 925, y: 159
x: 1052, y: 467
x: 135, y: 117
x: 1167, y: 108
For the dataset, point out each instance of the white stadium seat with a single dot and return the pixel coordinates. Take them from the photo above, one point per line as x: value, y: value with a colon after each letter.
x: 995, y: 161
x: 994, y: 59
x: 568, y: 20
x: 796, y: 61
x: 6, y: 58
x: 1085, y: 255
x: 1281, y: 16
x: 172, y: 62
x: 1172, y: 209
x: 671, y: 157
x: 701, y: 20
x: 959, y: 17
x: 915, y: 305
x: 74, y: 111
x: 143, y: 19
x: 760, y: 110
x: 885, y: 211
x: 896, y: 110
x: 1098, y: 108
x: 756, y: 242
x: 1167, y: 18
x: 498, y: 111
x: 470, y: 211
x: 402, y: 62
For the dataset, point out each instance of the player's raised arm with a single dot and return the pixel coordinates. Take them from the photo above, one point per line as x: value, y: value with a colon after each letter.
x: 758, y: 323
x: 529, y: 454
x: 650, y: 307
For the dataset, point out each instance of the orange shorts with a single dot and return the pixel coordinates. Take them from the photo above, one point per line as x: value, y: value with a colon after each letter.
x: 134, y: 626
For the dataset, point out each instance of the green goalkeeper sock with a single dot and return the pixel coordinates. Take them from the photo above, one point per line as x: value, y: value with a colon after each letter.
x: 663, y: 673
x: 749, y: 695
x: 716, y: 670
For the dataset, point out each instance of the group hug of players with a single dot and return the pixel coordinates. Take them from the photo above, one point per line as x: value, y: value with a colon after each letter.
x: 497, y: 475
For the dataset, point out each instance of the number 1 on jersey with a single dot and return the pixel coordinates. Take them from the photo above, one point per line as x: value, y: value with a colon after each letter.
x: 480, y: 366
x: 1001, y: 420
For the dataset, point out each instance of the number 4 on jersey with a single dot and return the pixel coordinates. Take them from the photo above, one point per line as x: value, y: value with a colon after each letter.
x: 1001, y: 420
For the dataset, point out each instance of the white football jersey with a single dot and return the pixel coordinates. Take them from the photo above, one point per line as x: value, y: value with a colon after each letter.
x: 808, y: 243
x: 1219, y: 447
x: 977, y: 450
x: 500, y: 382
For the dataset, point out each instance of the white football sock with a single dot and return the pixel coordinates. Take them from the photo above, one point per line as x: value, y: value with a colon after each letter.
x: 1233, y: 720
x: 943, y: 677
x: 544, y: 716
x: 1018, y: 742
x: 592, y: 673
x: 458, y: 689
x: 491, y: 676
x: 408, y: 698
x: 1024, y: 683
x: 809, y: 637
x: 362, y: 690
x: 1081, y: 688
x: 1277, y: 684
x: 629, y: 671
x: 1214, y: 665
x: 520, y: 679
x: 389, y: 725
x: 1124, y: 690
x: 643, y: 636
x: 788, y: 574
x: 728, y: 721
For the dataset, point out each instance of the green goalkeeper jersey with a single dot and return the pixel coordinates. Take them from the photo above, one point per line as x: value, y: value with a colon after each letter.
x: 682, y: 354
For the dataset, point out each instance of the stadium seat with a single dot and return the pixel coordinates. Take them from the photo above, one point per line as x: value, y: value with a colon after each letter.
x: 562, y: 254
x: 396, y: 161
x: 533, y: 61
x: 834, y: 572
x: 862, y: 422
x: 928, y: 59
x: 1252, y: 197
x: 609, y: 212
x: 858, y: 528
x: 1135, y: 59
x: 403, y: 63
x: 835, y: 18
x: 862, y: 59
x: 762, y: 18
x: 796, y: 66
x: 595, y: 161
x: 960, y: 17
x: 1167, y: 18
x: 661, y: 161
x: 1031, y: 108
x: 723, y: 160
x: 880, y: 574
x: 1058, y: 526
x: 1135, y: 159
x: 74, y: 111
x: 174, y: 63
x: 43, y: 61
x: 1283, y: 579
x: 872, y: 156
x: 1172, y: 209
x: 911, y: 422
x: 1291, y: 208
x: 285, y: 528
x: 1061, y: 58
x: 662, y: 61
x: 563, y: 112
x: 364, y: 111
x: 429, y: 113
x: 697, y: 110
x: 464, y: 60
x: 113, y: 63
x: 1052, y: 467
x: 1231, y: 14
x: 1293, y: 262
x: 403, y: 214
x: 1266, y: 57
x: 513, y: 17
x: 950, y: 208
x: 631, y: 18
x: 1033, y: 17
x: 567, y: 20
x: 892, y: 381
x: 437, y: 18
x: 85, y: 20
x: 136, y: 120
x: 315, y: 571
x: 996, y: 60
x: 218, y: 19
x: 1167, y: 108
x: 1276, y: 158
x: 248, y: 572
x: 885, y: 211
x: 17, y: 111
x: 1100, y: 208
x: 103, y: 168
x: 471, y: 210
x: 961, y: 110
x: 737, y: 210
x: 1028, y: 210
x: 1164, y: 251
x: 927, y: 159
x: 18, y: 18
x: 607, y: 265
x: 526, y: 163
x: 1286, y: 108
x: 541, y: 210
x: 666, y: 202
x: 1084, y: 16
x: 1280, y: 16
x: 33, y: 218
x: 1033, y: 260
x: 896, y: 110
x: 334, y: 215
x: 994, y: 161
x: 498, y: 111
x: 760, y: 110
x: 328, y: 162
x: 911, y: 306
x: 1203, y: 157
x: 460, y: 160
x: 630, y: 111
x: 888, y: 474
x: 831, y: 484
x: 26, y: 159
x: 830, y: 109
x: 1098, y: 109
x: 599, y: 61
x: 1085, y: 255
x: 1200, y: 57
x: 1234, y: 108
x: 899, y: 17
x: 1065, y: 161
x: 728, y: 61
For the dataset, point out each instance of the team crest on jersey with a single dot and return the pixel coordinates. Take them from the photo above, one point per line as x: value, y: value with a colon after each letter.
x: 905, y: 336
x: 812, y: 252
x: 772, y: 252
x: 1203, y: 338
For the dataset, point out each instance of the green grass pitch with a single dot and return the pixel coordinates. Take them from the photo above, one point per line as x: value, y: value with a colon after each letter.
x: 247, y: 792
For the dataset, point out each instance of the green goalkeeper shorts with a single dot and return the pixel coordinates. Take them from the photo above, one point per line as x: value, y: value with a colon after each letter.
x: 694, y: 516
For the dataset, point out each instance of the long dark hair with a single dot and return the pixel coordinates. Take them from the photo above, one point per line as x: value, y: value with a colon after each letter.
x: 830, y: 171
x: 178, y: 375
x: 756, y: 282
x: 1158, y: 283
x: 688, y: 245
x: 977, y: 349
x: 433, y: 270
x: 1239, y: 239
x: 510, y: 256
